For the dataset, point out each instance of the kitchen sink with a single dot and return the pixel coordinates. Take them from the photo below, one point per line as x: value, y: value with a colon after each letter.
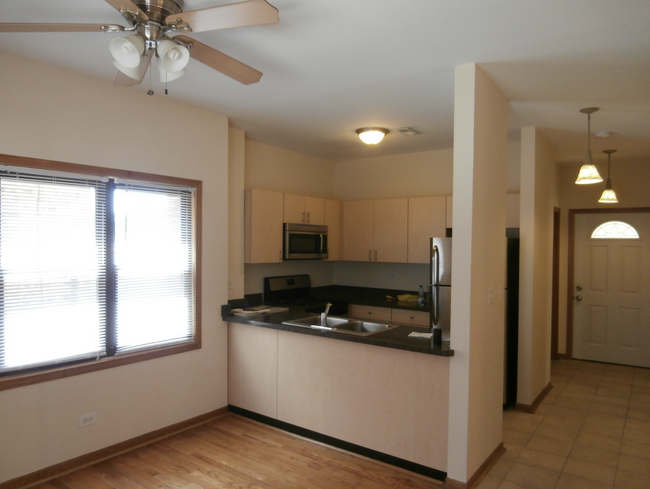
x: 341, y: 325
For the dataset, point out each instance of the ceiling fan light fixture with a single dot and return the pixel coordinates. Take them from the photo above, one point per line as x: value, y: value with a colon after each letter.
x: 174, y: 57
x: 128, y: 50
x: 167, y: 76
x: 372, y: 135
x: 130, y: 72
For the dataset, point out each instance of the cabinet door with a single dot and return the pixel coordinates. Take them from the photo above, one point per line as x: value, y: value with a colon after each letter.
x: 252, y: 368
x: 333, y: 223
x: 294, y: 209
x: 315, y: 210
x: 427, y: 217
x: 370, y: 313
x: 263, y: 226
x: 408, y: 316
x: 358, y: 230
x: 391, y: 230
x: 450, y: 213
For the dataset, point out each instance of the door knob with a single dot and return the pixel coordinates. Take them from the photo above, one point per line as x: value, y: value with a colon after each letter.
x: 579, y: 288
x: 578, y: 298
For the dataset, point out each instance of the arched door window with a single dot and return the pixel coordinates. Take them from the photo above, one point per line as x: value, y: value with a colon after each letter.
x: 615, y: 230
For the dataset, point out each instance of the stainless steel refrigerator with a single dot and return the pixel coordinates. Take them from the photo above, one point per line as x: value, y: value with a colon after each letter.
x: 441, y: 284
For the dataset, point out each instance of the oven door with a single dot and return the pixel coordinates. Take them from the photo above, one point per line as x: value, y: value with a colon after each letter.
x: 305, y: 242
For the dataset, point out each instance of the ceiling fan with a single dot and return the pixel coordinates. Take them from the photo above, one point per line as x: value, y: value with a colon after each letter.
x: 155, y: 26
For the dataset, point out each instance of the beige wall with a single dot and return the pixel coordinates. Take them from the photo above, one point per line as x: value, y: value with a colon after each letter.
x: 478, y: 261
x: 535, y: 262
x: 272, y: 168
x: 50, y: 113
x: 236, y: 178
x: 630, y: 182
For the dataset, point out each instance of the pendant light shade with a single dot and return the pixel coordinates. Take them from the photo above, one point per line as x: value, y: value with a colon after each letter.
x: 608, y: 196
x: 588, y: 172
x: 372, y: 135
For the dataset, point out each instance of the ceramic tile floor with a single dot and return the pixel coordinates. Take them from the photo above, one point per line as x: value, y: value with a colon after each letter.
x: 591, y: 432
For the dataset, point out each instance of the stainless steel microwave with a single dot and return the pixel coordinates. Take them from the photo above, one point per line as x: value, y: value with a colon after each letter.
x: 305, y: 242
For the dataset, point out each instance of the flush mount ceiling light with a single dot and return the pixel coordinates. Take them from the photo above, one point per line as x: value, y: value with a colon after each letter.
x: 608, y: 197
x: 588, y: 171
x: 372, y: 135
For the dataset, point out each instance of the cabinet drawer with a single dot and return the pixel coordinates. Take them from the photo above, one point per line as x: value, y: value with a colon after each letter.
x: 406, y: 316
x: 369, y: 312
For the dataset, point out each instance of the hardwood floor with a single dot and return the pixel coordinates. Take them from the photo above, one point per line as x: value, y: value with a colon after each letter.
x: 235, y: 452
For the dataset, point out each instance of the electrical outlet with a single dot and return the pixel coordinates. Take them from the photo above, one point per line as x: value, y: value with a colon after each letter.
x: 393, y: 276
x: 87, y: 419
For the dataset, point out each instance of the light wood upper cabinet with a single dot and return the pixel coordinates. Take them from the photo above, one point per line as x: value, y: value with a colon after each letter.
x: 375, y: 230
x: 300, y: 209
x: 358, y: 226
x: 263, y: 212
x: 333, y: 223
x: 391, y: 230
x: 426, y: 220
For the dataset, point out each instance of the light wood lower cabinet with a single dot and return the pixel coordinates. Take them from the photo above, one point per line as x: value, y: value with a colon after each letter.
x: 427, y: 219
x: 389, y: 400
x: 370, y: 313
x: 415, y: 318
x: 389, y: 315
x: 252, y: 368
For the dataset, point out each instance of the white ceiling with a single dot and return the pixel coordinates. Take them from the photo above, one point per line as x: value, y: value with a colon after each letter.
x: 332, y: 66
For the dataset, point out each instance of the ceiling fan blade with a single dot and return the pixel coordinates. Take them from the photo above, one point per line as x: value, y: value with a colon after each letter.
x: 251, y: 12
x: 129, y: 6
x: 222, y: 62
x: 55, y: 27
x: 126, y: 81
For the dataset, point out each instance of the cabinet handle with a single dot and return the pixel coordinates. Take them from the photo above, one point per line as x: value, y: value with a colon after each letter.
x: 370, y: 312
x: 369, y: 255
x: 309, y: 216
x: 280, y: 255
x: 375, y: 255
x: 303, y: 217
x: 412, y: 317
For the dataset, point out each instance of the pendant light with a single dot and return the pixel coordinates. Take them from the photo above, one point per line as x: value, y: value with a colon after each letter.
x: 588, y: 171
x: 608, y: 197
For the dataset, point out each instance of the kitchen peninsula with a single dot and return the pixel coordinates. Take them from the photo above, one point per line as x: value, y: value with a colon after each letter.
x: 384, y: 396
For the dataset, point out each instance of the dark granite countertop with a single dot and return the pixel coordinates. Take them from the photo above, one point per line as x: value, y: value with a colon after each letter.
x: 393, y: 338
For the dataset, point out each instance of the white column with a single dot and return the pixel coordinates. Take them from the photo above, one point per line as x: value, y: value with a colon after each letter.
x: 535, y: 264
x: 479, y: 258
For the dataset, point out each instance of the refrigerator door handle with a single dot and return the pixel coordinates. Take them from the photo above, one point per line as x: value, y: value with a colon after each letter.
x: 435, y: 258
x: 435, y: 305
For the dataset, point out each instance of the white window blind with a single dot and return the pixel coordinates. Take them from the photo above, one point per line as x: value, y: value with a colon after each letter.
x: 154, y: 265
x: 91, y: 267
x: 52, y: 269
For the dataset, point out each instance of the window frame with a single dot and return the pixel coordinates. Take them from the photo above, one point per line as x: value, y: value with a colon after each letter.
x: 81, y: 367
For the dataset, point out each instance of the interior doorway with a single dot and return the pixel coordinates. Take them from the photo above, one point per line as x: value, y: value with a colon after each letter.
x: 609, y: 286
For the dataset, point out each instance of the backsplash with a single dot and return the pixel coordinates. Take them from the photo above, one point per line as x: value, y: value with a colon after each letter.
x: 402, y: 276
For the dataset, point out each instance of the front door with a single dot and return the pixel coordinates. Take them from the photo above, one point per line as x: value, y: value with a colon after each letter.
x: 611, y: 313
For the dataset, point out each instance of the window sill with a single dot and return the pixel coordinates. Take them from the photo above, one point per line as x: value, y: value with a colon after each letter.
x: 22, y: 380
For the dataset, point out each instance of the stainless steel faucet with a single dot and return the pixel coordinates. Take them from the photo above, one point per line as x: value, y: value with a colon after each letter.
x: 323, y: 315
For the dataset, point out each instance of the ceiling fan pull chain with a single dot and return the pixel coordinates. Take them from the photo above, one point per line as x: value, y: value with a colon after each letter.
x: 150, y: 91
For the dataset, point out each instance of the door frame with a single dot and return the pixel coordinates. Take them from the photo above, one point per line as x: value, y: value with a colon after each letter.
x: 571, y: 261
